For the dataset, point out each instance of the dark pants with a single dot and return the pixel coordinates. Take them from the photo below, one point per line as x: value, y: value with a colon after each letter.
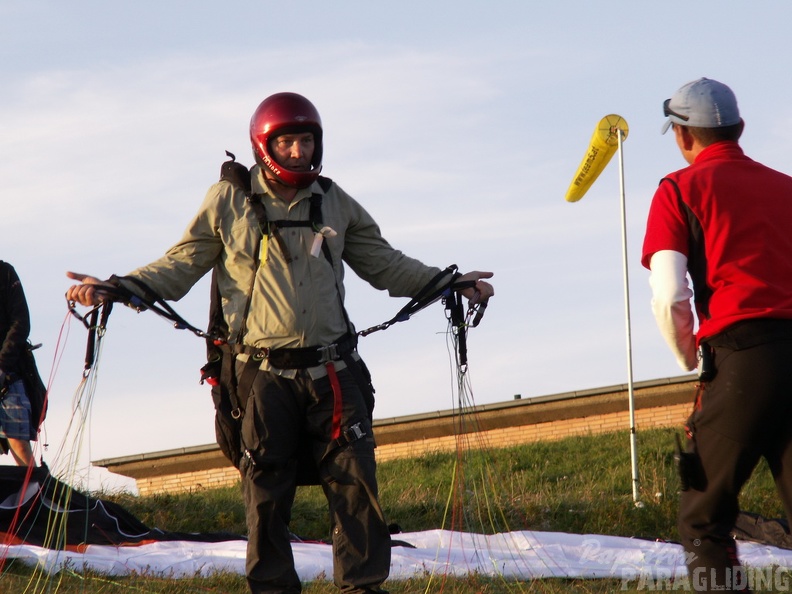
x: 743, y: 414
x: 282, y: 417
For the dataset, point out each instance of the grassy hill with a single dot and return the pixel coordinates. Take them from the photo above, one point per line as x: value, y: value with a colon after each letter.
x: 579, y: 485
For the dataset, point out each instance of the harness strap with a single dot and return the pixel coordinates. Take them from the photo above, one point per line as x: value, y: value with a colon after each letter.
x: 315, y: 214
x: 90, y: 346
x: 270, y: 228
x: 281, y: 243
x: 338, y: 404
x: 244, y: 383
x: 302, y: 357
x: 350, y: 435
x: 96, y: 327
x: 226, y: 379
x: 430, y: 293
x: 453, y: 304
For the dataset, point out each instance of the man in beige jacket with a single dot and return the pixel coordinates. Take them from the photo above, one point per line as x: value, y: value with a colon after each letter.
x: 278, y: 262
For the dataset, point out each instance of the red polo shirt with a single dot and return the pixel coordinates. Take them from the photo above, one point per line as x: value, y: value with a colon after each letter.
x: 732, y: 216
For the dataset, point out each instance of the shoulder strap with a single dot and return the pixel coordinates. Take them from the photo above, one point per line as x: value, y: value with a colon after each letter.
x: 240, y: 176
x: 324, y: 183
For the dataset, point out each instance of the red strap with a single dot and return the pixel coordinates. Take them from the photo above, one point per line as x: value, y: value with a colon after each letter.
x: 337, y: 403
x: 697, y: 405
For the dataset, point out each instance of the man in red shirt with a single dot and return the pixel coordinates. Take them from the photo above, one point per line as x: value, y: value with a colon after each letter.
x: 724, y: 221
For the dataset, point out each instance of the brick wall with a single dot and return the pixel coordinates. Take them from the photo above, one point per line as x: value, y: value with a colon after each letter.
x: 663, y: 416
x: 657, y: 403
x: 188, y: 481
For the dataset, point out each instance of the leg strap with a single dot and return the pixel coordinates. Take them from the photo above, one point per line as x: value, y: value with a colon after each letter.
x: 338, y: 404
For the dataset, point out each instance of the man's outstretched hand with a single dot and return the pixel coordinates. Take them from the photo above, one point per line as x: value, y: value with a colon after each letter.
x: 88, y: 292
x: 481, y: 291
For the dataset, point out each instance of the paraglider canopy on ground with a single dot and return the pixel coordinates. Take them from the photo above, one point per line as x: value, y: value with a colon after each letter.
x: 38, y: 509
x: 44, y: 521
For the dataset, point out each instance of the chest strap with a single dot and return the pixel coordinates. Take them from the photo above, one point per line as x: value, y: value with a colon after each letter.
x: 272, y: 228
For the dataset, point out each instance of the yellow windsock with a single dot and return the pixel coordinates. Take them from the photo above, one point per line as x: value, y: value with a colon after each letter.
x: 604, y: 143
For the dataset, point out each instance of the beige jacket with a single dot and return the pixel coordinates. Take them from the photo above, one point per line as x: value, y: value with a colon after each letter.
x: 294, y: 304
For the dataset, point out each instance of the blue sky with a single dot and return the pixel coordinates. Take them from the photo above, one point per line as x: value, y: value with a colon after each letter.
x: 459, y: 125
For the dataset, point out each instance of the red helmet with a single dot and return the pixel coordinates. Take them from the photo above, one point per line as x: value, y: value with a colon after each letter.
x: 286, y: 113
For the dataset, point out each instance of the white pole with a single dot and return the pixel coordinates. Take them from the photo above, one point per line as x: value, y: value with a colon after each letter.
x: 630, y: 391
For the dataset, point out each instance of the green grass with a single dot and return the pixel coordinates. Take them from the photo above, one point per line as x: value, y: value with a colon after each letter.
x: 578, y: 485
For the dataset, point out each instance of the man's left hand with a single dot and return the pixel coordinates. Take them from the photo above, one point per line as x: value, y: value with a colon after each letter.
x: 481, y: 291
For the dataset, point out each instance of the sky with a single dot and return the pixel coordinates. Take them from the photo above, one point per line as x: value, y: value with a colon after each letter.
x: 458, y: 125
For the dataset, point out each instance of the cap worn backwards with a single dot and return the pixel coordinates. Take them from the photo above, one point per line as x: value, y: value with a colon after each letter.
x: 702, y: 103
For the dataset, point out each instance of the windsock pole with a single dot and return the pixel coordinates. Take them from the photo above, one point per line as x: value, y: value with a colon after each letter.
x: 630, y: 389
x: 607, y: 139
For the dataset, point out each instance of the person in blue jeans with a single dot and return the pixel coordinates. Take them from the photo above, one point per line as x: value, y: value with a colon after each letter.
x: 17, y: 428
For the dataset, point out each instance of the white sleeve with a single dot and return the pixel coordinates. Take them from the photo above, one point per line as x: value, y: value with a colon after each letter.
x: 671, y: 305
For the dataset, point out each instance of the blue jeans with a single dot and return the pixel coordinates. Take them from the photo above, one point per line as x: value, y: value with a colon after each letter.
x: 15, y: 413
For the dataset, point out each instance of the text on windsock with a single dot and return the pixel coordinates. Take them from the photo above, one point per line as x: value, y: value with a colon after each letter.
x: 603, y: 145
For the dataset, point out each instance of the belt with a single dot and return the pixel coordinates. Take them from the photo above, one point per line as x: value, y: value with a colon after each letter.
x: 302, y: 357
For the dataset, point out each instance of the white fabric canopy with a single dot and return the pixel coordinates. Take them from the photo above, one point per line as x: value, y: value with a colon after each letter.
x: 513, y: 555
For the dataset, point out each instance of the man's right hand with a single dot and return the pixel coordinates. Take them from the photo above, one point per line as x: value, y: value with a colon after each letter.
x: 89, y: 292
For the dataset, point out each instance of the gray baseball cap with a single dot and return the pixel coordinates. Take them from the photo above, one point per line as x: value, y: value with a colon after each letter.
x: 703, y: 103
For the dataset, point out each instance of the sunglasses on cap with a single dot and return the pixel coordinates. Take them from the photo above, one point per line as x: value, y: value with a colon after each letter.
x: 667, y: 111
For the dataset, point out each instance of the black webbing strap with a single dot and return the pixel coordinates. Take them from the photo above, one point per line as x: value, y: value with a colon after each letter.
x: 243, y: 383
x: 315, y: 214
x: 349, y: 435
x: 430, y: 293
x: 271, y: 228
x: 150, y: 300
x: 301, y: 357
x: 96, y: 323
x: 456, y: 312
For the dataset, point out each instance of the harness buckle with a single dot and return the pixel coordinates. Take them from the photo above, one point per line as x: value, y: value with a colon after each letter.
x: 328, y: 353
x: 249, y: 456
x: 356, y: 432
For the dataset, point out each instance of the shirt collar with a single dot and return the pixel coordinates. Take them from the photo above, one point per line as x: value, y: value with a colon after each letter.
x: 719, y: 150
